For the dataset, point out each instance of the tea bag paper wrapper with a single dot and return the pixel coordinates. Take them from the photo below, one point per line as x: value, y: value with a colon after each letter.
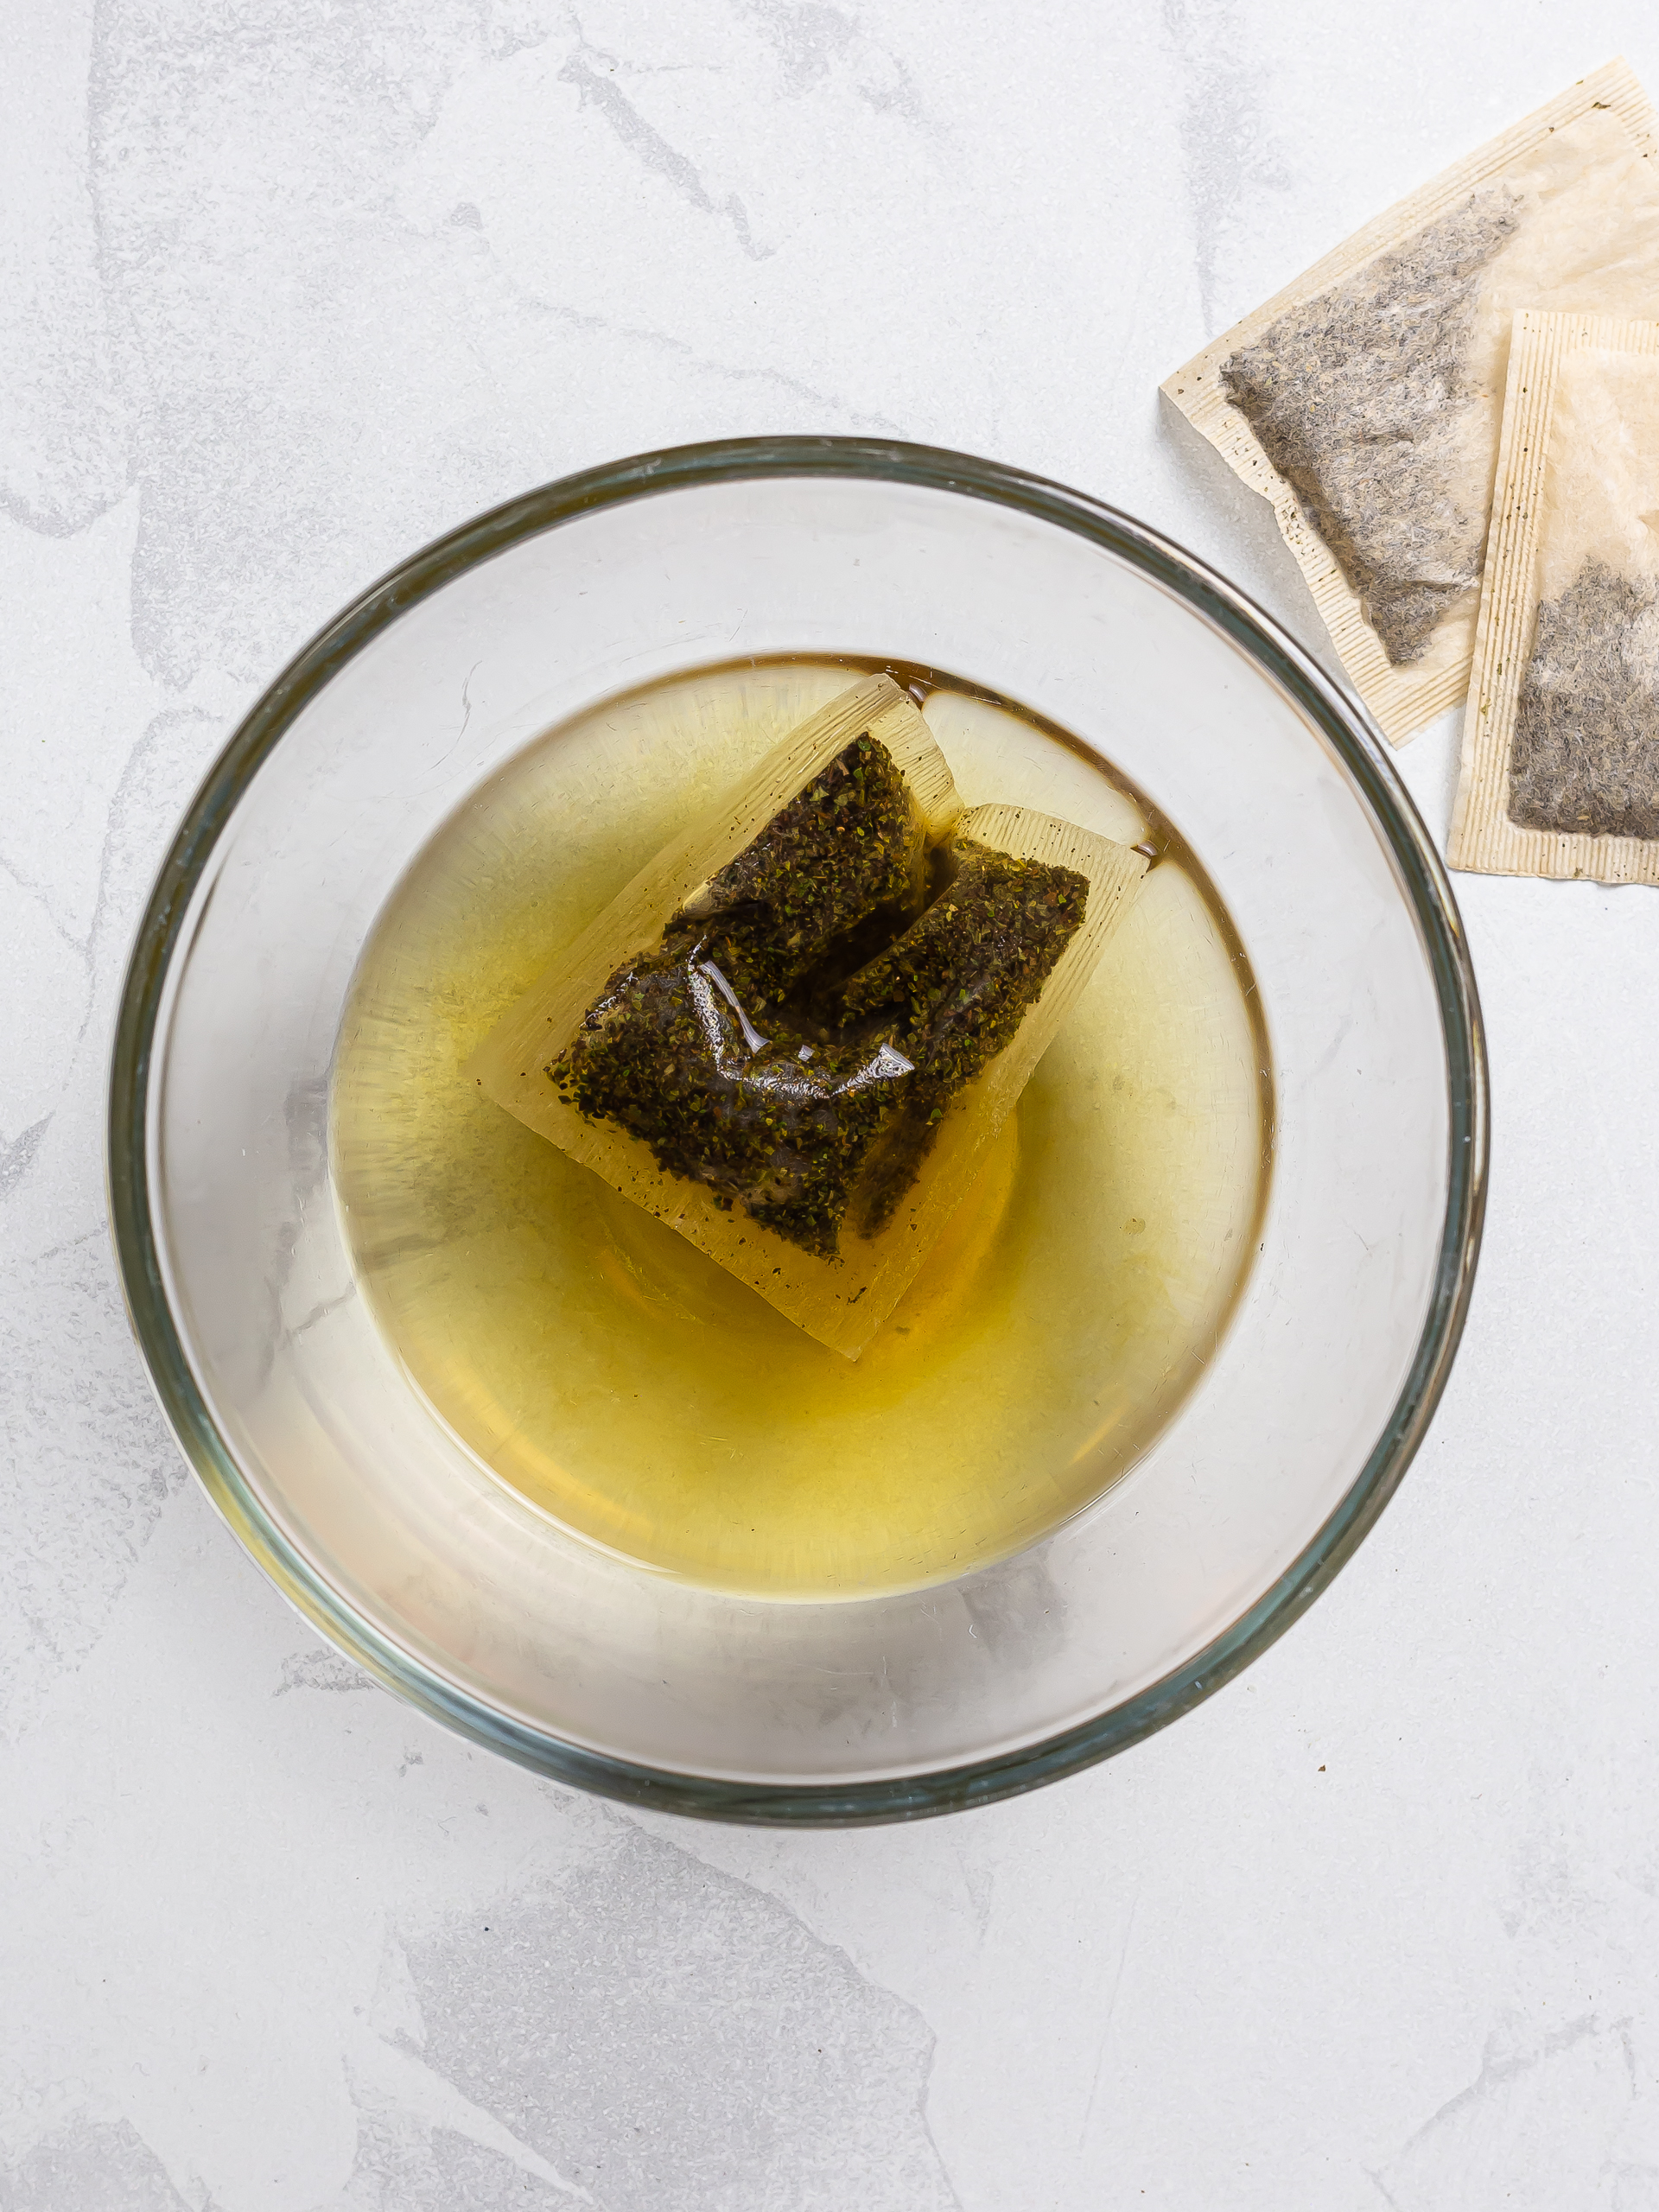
x: 841, y: 1302
x: 1560, y: 738
x: 1365, y: 400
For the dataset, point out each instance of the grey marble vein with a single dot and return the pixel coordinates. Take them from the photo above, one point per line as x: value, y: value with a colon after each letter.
x: 589, y: 72
x: 1228, y: 139
x: 700, y: 2034
x: 93, y: 2165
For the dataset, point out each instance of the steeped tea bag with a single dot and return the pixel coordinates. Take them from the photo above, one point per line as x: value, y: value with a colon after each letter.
x: 792, y: 1036
x: 1560, y: 740
x: 1364, y: 400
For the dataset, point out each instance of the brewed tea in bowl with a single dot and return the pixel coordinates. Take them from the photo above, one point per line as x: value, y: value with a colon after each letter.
x: 544, y: 1466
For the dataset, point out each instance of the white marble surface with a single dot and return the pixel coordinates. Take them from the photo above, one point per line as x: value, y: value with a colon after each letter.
x: 291, y: 285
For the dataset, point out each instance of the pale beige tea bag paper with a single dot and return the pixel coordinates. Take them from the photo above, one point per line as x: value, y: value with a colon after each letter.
x: 1560, y: 739
x: 841, y: 1300
x: 1365, y: 399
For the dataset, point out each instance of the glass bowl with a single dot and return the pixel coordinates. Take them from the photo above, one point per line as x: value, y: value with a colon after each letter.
x: 373, y: 1515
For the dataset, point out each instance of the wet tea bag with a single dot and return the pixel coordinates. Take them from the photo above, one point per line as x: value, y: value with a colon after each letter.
x: 1364, y: 400
x: 1560, y: 739
x: 793, y: 1035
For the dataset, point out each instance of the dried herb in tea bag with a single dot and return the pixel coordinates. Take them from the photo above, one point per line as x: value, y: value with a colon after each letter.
x: 780, y: 1124
x: 953, y: 991
x: 1365, y: 399
x: 818, y: 1129
x: 792, y: 1036
x: 1561, y: 744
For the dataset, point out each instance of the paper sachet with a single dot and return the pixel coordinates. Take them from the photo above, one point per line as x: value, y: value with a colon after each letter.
x: 800, y: 1082
x: 1364, y: 400
x: 1560, y: 740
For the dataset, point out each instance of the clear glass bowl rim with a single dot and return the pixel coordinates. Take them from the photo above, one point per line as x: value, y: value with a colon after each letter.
x: 1362, y: 753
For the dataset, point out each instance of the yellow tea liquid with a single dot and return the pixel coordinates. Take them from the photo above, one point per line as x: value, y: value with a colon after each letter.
x: 632, y: 1389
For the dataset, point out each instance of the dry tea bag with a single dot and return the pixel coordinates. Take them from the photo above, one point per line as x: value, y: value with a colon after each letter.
x: 1560, y: 740
x: 1365, y: 399
x: 793, y: 1035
